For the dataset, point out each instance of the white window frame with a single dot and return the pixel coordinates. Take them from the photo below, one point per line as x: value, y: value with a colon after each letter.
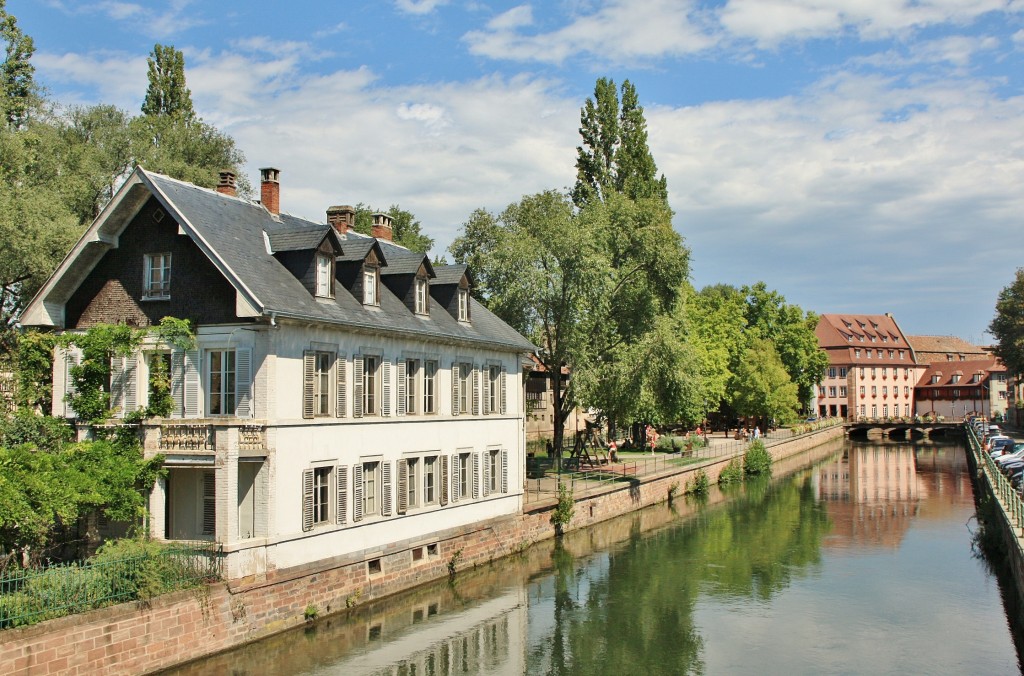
x: 156, y: 282
x: 494, y: 470
x: 465, y: 475
x: 371, y: 488
x: 370, y: 296
x: 413, y: 479
x: 412, y: 390
x: 221, y: 392
x: 465, y: 376
x: 463, y: 300
x: 431, y: 479
x: 429, y: 392
x: 323, y: 485
x: 421, y: 296
x: 324, y: 275
x: 371, y: 384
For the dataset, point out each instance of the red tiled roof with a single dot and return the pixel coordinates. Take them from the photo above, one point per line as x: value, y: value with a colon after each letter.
x: 840, y: 335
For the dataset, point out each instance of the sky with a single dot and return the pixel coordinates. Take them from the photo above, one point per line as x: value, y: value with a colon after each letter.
x: 858, y: 156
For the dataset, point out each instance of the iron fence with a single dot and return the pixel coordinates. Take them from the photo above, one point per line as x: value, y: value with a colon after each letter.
x: 31, y: 595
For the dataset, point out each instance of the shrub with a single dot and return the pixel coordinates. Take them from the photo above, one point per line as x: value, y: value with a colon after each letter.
x: 731, y: 473
x: 757, y: 459
x: 564, y: 509
x: 700, y: 483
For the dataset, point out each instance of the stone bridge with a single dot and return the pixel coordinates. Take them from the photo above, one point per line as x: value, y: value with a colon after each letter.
x: 903, y: 431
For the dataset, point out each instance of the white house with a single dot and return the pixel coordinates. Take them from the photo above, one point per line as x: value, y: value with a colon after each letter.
x: 343, y: 395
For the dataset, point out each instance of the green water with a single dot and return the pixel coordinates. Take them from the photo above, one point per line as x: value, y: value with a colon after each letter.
x: 861, y: 564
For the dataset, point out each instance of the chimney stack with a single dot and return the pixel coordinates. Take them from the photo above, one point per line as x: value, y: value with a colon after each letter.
x: 227, y: 184
x: 342, y: 218
x: 381, y: 227
x: 270, y: 189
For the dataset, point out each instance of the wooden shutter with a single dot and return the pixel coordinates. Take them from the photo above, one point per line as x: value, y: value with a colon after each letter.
x: 357, y: 386
x: 117, y: 384
x: 402, y: 372
x: 73, y: 359
x: 503, y: 391
x: 341, y: 408
x: 357, y: 492
x: 474, y: 390
x: 342, y: 513
x: 455, y: 387
x: 385, y: 389
x: 403, y: 486
x: 385, y: 487
x: 476, y: 475
x: 504, y: 470
x: 487, y: 474
x: 243, y: 383
x: 307, y: 499
x: 209, y: 503
x: 178, y: 383
x: 456, y: 464
x: 308, y: 375
x: 131, y: 383
x: 192, y: 409
x: 444, y: 479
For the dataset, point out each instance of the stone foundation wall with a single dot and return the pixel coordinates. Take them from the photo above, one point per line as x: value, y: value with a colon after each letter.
x: 132, y: 639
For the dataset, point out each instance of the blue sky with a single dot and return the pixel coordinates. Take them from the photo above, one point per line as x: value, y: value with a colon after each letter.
x: 860, y: 156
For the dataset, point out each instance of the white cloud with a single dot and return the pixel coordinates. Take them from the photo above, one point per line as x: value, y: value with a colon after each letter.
x: 116, y: 77
x: 154, y: 19
x: 419, y: 6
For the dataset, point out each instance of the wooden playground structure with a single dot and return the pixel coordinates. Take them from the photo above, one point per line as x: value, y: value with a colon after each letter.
x: 590, y: 450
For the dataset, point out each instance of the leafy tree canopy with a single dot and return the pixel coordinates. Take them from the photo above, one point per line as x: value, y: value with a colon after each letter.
x: 761, y: 386
x: 167, y: 94
x: 406, y: 229
x: 17, y: 85
x: 1008, y: 324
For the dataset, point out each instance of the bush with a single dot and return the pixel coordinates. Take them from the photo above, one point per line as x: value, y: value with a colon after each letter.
x: 757, y: 459
x: 700, y: 483
x: 43, y: 432
x: 563, y: 511
x: 731, y: 473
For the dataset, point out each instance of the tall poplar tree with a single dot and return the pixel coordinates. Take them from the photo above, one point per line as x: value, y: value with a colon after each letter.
x: 167, y: 94
x: 17, y: 71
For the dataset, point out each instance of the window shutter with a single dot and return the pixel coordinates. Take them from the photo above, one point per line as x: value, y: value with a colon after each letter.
x: 456, y: 464
x: 243, y: 383
x: 357, y: 492
x: 192, y: 384
x: 385, y: 481
x: 504, y: 391
x: 357, y: 386
x: 455, y: 388
x: 74, y: 358
x: 403, y: 486
x: 308, y: 370
x: 341, y: 365
x: 444, y: 479
x: 131, y: 379
x: 476, y: 476
x: 307, y: 499
x: 209, y: 503
x: 504, y: 470
x: 485, y: 390
x: 487, y: 474
x: 178, y: 383
x: 117, y: 384
x: 474, y: 390
x: 385, y: 390
x: 342, y: 513
x: 400, y: 404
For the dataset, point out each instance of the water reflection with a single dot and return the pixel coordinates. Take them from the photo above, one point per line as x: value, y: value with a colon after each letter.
x: 745, y: 581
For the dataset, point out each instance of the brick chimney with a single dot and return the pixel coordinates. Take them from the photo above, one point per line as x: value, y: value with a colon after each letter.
x: 270, y: 189
x: 381, y: 227
x: 342, y: 218
x: 227, y: 184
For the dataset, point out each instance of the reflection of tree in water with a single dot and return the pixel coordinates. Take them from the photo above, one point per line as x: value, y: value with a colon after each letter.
x: 636, y: 616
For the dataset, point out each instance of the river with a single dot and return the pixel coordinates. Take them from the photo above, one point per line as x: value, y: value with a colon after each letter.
x: 860, y: 564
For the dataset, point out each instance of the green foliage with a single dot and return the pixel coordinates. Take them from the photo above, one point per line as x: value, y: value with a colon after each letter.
x: 91, y: 376
x: 311, y: 612
x: 731, y: 473
x: 1008, y: 324
x: 40, y: 431
x: 760, y: 385
x: 453, y: 564
x: 405, y: 228
x: 700, y: 484
x: 17, y: 87
x: 34, y: 370
x: 564, y: 509
x: 757, y: 460
x: 167, y: 94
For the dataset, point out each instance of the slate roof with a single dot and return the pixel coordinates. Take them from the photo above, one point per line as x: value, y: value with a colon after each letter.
x: 298, y: 239
x: 230, y: 231
x: 449, y: 274
x: 402, y: 261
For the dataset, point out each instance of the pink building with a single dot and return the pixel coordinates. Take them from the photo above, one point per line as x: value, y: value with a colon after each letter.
x: 872, y: 368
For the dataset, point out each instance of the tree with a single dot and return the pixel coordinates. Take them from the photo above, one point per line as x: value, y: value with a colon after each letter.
x: 16, y: 72
x: 167, y: 94
x: 1008, y: 324
x: 761, y: 386
x: 717, y: 317
x: 405, y: 228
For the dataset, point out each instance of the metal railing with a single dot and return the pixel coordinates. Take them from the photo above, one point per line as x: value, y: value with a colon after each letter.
x: 1007, y: 495
x: 31, y: 595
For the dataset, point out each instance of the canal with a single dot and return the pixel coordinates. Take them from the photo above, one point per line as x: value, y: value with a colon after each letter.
x: 863, y: 563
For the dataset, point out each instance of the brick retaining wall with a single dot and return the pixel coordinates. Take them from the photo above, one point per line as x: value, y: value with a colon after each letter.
x: 131, y: 639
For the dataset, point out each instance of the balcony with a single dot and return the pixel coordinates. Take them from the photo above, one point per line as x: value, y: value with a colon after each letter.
x: 187, y: 437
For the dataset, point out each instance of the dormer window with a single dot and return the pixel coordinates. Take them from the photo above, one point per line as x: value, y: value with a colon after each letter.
x: 463, y: 305
x: 157, y: 280
x: 370, y: 287
x: 324, y: 275
x: 421, y: 296
x: 955, y: 379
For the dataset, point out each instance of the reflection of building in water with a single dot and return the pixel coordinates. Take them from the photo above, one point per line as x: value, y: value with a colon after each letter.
x: 873, y: 492
x: 489, y: 638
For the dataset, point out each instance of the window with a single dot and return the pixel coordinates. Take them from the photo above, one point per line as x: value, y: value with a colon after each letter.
x: 956, y: 378
x: 842, y: 390
x: 465, y: 387
x: 321, y: 494
x: 421, y: 296
x: 862, y: 392
x: 462, y: 474
x: 222, y: 382
x: 832, y: 372
x: 463, y: 305
x: 874, y: 391
x: 430, y: 386
x: 370, y: 286
x: 874, y: 411
x: 832, y: 391
x: 370, y: 385
x: 494, y: 471
x: 411, y: 483
x: 431, y: 479
x: 821, y: 390
x: 412, y: 374
x: 906, y: 409
x: 885, y: 391
x: 863, y: 410
x: 935, y: 380
x: 322, y: 383
x: 324, y: 275
x: 157, y: 281
x: 873, y: 373
x: 371, y: 488
x: 885, y: 410
x: 906, y: 373
x: 869, y: 354
x: 879, y: 354
x: 494, y: 389
x: 906, y: 391
x: 956, y: 394
x: 842, y: 371
x: 890, y: 354
x: 862, y: 372
x: 857, y: 353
